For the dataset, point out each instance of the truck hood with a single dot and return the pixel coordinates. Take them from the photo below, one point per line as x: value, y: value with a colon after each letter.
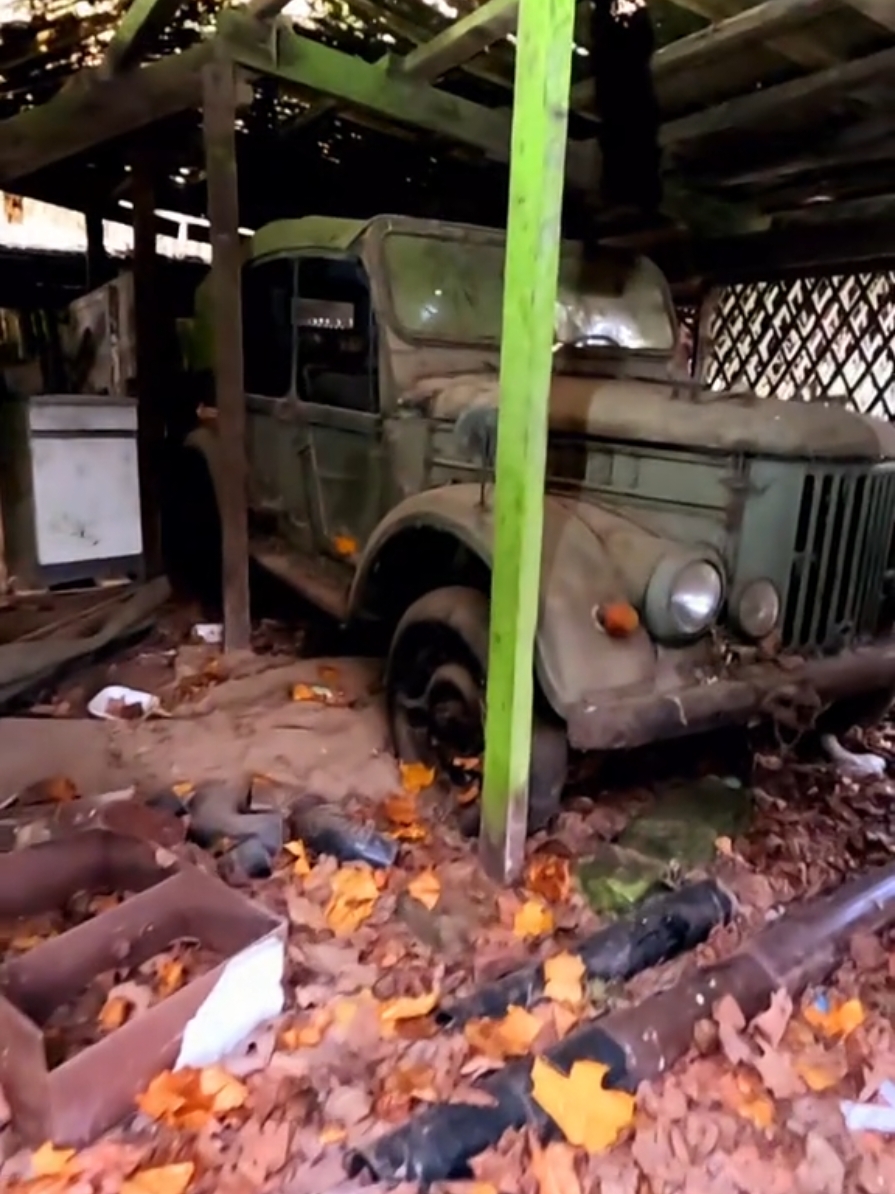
x: 671, y: 413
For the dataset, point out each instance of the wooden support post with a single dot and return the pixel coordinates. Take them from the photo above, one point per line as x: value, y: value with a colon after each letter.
x: 540, y: 119
x: 219, y: 87
x: 150, y: 416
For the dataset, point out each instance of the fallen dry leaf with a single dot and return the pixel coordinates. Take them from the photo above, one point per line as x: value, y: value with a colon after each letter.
x: 169, y: 976
x: 166, y: 1179
x: 328, y: 673
x: 189, y: 1098
x: 410, y: 833
x: 354, y: 895
x: 59, y: 789
x: 840, y: 1019
x: 512, y: 1036
x: 183, y: 789
x: 550, y: 877
x: 49, y: 1161
x: 345, y: 545
x: 534, y: 919
x: 114, y: 1012
x: 416, y: 777
x: 407, y: 1007
x: 564, y: 979
x: 401, y: 808
x: 773, y: 1023
x: 302, y: 864
x: 741, y: 1093
x: 587, y: 1114
x: 332, y: 1135
x: 816, y: 1077
x: 305, y: 1036
x: 554, y: 1168
x: 425, y: 887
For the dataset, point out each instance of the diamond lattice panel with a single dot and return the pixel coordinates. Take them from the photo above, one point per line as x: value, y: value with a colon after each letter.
x: 808, y: 338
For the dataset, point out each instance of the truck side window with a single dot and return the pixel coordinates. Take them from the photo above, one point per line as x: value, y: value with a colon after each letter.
x: 336, y: 336
x: 268, y: 288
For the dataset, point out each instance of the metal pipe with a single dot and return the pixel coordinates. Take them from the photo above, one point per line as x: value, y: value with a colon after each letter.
x: 641, y: 1042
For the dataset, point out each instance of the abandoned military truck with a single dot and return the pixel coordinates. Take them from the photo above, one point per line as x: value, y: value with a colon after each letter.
x: 752, y: 537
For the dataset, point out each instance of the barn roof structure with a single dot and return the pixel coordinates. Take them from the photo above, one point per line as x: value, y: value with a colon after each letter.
x: 777, y: 128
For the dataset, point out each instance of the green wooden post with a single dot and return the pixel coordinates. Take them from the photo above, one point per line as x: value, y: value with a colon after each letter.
x: 537, y: 168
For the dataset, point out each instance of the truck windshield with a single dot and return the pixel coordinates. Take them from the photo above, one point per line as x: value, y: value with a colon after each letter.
x: 449, y: 289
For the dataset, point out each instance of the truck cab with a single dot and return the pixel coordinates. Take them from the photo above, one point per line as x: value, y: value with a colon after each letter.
x: 747, y: 541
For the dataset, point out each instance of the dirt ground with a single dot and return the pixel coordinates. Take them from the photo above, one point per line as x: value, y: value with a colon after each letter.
x: 356, y: 1051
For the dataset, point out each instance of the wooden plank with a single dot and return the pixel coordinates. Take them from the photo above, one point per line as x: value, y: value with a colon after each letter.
x: 313, y: 66
x: 800, y: 48
x: 462, y: 40
x: 881, y: 12
x: 141, y: 22
x: 150, y: 415
x: 93, y: 111
x: 761, y: 106
x: 219, y: 112
x: 540, y: 119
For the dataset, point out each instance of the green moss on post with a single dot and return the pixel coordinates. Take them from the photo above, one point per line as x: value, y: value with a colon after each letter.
x: 540, y: 118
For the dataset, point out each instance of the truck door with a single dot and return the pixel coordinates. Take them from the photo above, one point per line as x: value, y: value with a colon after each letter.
x: 338, y: 391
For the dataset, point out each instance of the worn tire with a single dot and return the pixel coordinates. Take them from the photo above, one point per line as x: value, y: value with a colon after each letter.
x: 449, y: 627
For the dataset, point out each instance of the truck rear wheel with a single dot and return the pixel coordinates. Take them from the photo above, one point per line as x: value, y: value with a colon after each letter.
x: 435, y: 685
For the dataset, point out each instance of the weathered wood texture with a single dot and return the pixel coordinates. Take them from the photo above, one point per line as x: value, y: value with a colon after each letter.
x: 219, y: 111
x: 540, y: 114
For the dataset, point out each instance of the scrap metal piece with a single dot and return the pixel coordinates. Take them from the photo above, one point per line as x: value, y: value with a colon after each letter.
x: 91, y: 1091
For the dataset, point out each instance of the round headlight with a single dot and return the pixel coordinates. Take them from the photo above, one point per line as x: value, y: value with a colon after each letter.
x: 757, y: 609
x: 683, y: 597
x: 695, y: 597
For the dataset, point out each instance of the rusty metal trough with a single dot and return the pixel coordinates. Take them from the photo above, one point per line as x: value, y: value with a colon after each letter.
x: 90, y: 1092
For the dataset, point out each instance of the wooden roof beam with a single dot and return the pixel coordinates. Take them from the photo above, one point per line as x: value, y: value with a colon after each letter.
x: 800, y: 48
x: 462, y: 40
x: 761, y: 106
x: 880, y: 12
x: 142, y: 20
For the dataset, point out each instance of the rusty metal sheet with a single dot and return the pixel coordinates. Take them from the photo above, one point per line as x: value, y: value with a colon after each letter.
x: 90, y: 1092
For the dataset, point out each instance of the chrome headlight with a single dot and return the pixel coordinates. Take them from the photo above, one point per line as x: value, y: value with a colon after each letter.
x: 683, y: 597
x: 757, y: 609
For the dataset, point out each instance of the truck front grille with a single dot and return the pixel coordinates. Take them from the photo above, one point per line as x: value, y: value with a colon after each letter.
x: 841, y: 555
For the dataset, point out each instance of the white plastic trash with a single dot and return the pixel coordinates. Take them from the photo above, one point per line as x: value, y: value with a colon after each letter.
x: 119, y: 703
x: 209, y: 632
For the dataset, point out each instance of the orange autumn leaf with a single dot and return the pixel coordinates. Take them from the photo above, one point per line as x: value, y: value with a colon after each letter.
x: 59, y: 788
x: 743, y: 1094
x: 512, y: 1036
x: 332, y: 1135
x: 564, y: 979
x: 410, y: 833
x: 302, y: 864
x: 183, y: 789
x: 416, y: 777
x: 170, y: 976
x: 49, y: 1161
x: 587, y: 1114
x: 407, y: 1007
x: 619, y: 619
x: 400, y: 808
x: 305, y: 1036
x: 533, y: 919
x: 354, y: 895
x: 549, y: 877
x: 425, y: 887
x: 114, y: 1013
x: 840, y: 1020
x: 166, y: 1179
x: 189, y: 1098
x: 817, y: 1078
x: 345, y: 545
x: 554, y: 1168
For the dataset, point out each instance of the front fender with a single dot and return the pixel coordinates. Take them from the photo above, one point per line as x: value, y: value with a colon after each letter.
x: 573, y: 655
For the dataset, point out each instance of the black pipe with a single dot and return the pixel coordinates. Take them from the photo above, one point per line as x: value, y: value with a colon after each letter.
x: 661, y: 928
x: 640, y: 1042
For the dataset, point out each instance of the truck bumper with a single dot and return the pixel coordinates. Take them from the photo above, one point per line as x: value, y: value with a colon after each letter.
x: 613, y: 721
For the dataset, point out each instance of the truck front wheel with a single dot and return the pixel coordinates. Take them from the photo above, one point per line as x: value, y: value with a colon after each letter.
x: 435, y: 685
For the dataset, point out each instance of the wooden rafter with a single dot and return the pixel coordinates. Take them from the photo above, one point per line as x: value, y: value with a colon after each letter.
x: 797, y: 47
x: 142, y: 20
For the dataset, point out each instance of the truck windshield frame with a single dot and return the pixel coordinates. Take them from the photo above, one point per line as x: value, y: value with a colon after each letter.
x: 447, y: 289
